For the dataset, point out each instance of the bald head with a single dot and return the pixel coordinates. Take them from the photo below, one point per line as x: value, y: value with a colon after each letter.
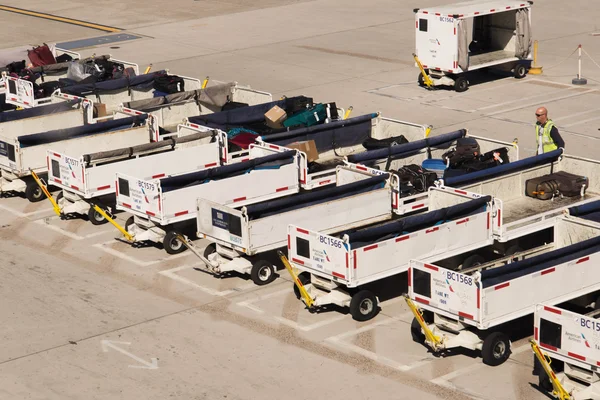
x: 542, y: 115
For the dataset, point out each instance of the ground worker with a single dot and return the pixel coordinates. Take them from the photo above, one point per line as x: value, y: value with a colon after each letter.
x: 547, y: 136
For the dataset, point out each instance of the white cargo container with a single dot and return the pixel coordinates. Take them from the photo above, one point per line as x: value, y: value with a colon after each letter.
x: 454, y: 39
x: 243, y: 238
x: 468, y: 308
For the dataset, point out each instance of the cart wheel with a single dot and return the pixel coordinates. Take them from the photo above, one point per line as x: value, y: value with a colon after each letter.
x: 496, y: 349
x: 363, y: 306
x: 171, y: 244
x: 304, y: 278
x: 472, y: 261
x: 421, y: 79
x: 128, y: 223
x: 520, y: 71
x: 95, y: 217
x: 461, y: 84
x: 262, y: 273
x: 515, y: 248
x: 416, y: 333
x: 211, y: 248
x: 59, y: 197
x: 543, y: 378
x: 33, y: 192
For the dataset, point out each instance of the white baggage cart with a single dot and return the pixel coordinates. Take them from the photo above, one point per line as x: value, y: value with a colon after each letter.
x: 487, y: 296
x: 457, y: 222
x: 27, y: 153
x: 164, y: 208
x: 93, y: 181
x: 244, y: 238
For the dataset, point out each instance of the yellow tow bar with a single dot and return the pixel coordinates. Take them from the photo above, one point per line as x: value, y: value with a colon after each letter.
x: 557, y: 388
x: 100, y: 211
x: 307, y: 299
x: 432, y: 340
x: 426, y: 79
x: 348, y: 111
x: 428, y: 130
x: 204, y: 83
x: 46, y: 192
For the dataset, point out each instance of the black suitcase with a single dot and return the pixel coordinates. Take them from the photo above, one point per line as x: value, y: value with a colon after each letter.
x: 420, y: 178
x: 297, y: 104
x: 556, y: 184
x: 467, y: 149
x: 169, y: 84
x: 374, y: 144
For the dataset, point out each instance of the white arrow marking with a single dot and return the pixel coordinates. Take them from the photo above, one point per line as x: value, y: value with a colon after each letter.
x: 109, y: 344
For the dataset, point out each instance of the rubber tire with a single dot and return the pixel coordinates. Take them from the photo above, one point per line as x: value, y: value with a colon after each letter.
x: 415, y: 332
x: 520, y: 71
x: 59, y: 196
x: 211, y: 248
x: 472, y: 260
x: 515, y: 248
x: 421, y: 80
x: 255, y: 273
x: 461, y: 84
x: 169, y: 240
x: 128, y: 223
x: 597, y: 304
x: 93, y: 214
x: 543, y: 379
x: 358, y: 300
x: 489, y: 344
x: 304, y: 278
x: 33, y: 192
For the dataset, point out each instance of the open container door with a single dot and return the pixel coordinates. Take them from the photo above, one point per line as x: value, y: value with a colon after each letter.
x: 523, y: 33
x: 463, y: 44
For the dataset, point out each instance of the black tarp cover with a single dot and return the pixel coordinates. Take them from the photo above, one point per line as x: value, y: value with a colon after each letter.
x: 402, y: 149
x: 79, y: 131
x: 237, y: 117
x: 504, y: 169
x: 363, y: 237
x: 39, y: 111
x: 139, y: 82
x: 302, y: 200
x: 197, y: 178
x: 493, y: 277
x: 330, y: 136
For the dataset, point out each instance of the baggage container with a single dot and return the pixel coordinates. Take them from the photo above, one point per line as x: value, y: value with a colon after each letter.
x: 457, y: 38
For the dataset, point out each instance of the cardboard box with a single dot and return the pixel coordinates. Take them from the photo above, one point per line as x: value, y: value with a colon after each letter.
x: 308, y: 146
x: 275, y: 116
x: 99, y: 110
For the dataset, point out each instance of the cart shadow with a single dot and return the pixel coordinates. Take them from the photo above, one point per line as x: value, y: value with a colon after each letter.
x: 542, y: 391
x: 480, y: 77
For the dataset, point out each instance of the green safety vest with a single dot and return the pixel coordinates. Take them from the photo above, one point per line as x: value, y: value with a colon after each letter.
x: 547, y: 142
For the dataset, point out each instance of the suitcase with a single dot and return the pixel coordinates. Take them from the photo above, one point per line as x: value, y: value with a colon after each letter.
x: 41, y: 55
x: 557, y: 184
x: 418, y: 177
x: 310, y: 117
x: 169, y: 84
x: 297, y: 104
x: 374, y: 144
x: 467, y: 149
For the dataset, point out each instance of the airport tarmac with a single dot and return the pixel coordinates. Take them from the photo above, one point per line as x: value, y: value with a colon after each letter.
x: 88, y: 316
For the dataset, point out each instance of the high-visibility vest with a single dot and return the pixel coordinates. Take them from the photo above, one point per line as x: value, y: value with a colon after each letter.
x: 547, y: 142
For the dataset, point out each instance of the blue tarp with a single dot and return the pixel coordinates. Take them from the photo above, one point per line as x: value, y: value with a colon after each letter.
x: 196, y: 178
x: 406, y: 148
x: 140, y: 82
x: 79, y: 131
x: 585, y: 209
x: 363, y: 237
x: 512, y: 167
x: 38, y: 111
x: 296, y: 201
x: 538, y: 263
